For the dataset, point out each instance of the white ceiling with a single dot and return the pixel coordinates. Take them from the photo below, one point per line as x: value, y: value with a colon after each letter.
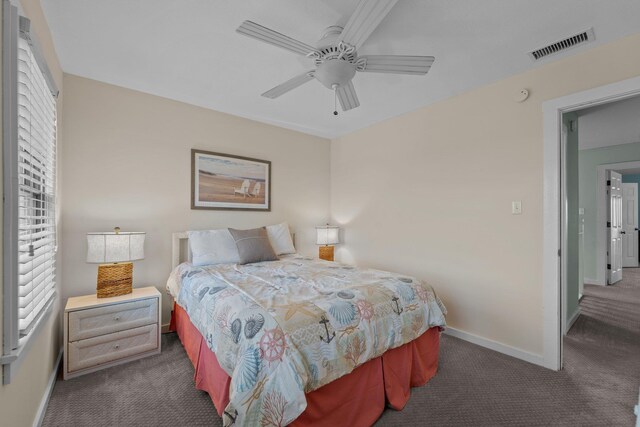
x: 188, y: 50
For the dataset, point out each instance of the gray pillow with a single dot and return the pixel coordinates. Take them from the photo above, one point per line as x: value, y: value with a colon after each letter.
x: 253, y: 245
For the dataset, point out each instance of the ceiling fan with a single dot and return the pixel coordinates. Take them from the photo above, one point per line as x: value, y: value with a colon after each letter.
x: 336, y: 53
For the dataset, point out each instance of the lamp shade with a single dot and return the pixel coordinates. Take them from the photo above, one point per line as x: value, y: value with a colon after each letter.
x: 112, y: 246
x: 328, y: 235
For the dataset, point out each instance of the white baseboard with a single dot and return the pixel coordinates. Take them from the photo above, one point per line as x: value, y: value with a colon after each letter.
x: 536, y: 359
x: 37, y: 422
x: 165, y: 328
x: 572, y: 320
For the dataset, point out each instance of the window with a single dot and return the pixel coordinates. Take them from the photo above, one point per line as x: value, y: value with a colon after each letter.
x: 29, y: 156
x: 36, y: 190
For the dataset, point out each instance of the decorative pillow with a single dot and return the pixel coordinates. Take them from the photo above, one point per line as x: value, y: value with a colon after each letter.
x: 210, y: 247
x: 280, y: 238
x: 253, y: 245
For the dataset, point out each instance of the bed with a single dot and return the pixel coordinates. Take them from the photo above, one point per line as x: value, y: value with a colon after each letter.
x: 301, y: 341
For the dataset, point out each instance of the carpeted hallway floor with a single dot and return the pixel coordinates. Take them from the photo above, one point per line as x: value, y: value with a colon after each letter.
x: 474, y: 386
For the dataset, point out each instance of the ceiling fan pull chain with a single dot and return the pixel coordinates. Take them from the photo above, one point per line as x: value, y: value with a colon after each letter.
x: 335, y: 100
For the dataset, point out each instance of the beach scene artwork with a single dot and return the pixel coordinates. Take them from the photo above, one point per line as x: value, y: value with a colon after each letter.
x: 223, y: 181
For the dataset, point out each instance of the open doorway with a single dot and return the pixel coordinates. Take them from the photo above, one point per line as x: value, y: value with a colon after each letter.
x: 614, y: 235
x: 620, y: 248
x: 601, y: 274
x: 595, y: 363
x: 555, y: 235
x: 609, y: 161
x: 601, y: 147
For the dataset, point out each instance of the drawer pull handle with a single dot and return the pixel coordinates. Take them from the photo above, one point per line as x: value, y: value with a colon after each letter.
x: 116, y: 318
x: 117, y: 346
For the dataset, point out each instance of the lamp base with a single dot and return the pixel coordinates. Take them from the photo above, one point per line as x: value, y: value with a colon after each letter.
x: 114, y: 279
x: 326, y: 253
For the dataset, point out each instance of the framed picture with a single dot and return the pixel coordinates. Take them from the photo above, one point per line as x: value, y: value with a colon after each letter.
x: 226, y: 182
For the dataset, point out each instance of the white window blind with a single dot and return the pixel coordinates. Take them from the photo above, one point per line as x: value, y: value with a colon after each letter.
x: 36, y: 182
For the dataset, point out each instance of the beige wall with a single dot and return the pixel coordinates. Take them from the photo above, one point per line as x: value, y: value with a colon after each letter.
x: 127, y: 163
x: 429, y: 193
x: 19, y: 401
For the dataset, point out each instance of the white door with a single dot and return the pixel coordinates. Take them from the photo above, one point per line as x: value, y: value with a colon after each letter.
x: 630, y: 224
x: 614, y: 226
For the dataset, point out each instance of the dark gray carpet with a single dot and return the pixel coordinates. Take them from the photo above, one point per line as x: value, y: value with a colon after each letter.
x: 155, y: 391
x: 474, y: 386
x: 630, y: 278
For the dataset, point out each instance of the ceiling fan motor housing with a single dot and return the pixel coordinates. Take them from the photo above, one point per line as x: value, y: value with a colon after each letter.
x: 335, y: 67
x: 329, y: 37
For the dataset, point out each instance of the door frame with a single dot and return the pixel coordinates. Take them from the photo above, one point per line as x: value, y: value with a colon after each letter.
x: 601, y: 217
x: 554, y: 205
x: 625, y: 201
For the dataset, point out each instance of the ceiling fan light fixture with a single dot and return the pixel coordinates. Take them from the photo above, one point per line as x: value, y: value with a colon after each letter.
x: 335, y: 72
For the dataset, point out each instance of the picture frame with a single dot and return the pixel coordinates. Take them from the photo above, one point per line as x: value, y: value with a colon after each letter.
x: 227, y: 182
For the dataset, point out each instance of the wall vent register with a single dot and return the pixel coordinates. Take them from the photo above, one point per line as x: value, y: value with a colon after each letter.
x: 561, y: 45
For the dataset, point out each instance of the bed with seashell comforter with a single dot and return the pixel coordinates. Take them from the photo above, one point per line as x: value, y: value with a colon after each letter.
x: 283, y: 328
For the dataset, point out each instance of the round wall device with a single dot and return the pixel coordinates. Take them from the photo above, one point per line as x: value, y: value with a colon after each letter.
x: 521, y: 96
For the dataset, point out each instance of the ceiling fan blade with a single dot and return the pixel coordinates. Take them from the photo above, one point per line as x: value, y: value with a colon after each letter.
x: 264, y: 34
x: 397, y: 64
x: 347, y: 96
x: 289, y: 85
x: 368, y: 15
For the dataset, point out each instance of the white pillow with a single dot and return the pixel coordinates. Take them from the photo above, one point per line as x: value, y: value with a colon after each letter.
x: 210, y: 247
x: 280, y: 238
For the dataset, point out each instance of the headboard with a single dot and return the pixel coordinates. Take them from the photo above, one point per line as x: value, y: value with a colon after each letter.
x: 181, y: 252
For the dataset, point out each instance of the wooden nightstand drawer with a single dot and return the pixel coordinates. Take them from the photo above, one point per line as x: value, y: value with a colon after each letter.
x: 108, y: 348
x: 104, y: 332
x: 94, y: 322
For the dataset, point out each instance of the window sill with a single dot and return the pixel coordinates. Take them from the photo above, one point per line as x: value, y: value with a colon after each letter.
x: 11, y: 361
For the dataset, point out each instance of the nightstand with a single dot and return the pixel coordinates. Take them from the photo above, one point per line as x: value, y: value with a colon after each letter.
x: 104, y: 332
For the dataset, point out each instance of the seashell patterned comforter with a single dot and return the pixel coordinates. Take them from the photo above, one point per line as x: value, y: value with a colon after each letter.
x: 283, y: 328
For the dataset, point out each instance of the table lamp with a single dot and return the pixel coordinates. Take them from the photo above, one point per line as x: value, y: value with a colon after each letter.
x: 114, y: 251
x: 327, y: 236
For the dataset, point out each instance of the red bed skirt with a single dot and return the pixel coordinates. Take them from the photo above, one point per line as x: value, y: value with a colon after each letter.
x: 356, y: 399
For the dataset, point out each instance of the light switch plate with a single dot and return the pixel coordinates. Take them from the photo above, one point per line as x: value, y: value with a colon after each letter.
x: 516, y: 207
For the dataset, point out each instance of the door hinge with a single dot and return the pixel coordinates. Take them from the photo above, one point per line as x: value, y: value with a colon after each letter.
x: 608, y: 266
x: 608, y: 183
x: 559, y: 252
x: 608, y: 224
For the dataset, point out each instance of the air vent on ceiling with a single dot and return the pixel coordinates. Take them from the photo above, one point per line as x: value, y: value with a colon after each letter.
x: 575, y: 40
